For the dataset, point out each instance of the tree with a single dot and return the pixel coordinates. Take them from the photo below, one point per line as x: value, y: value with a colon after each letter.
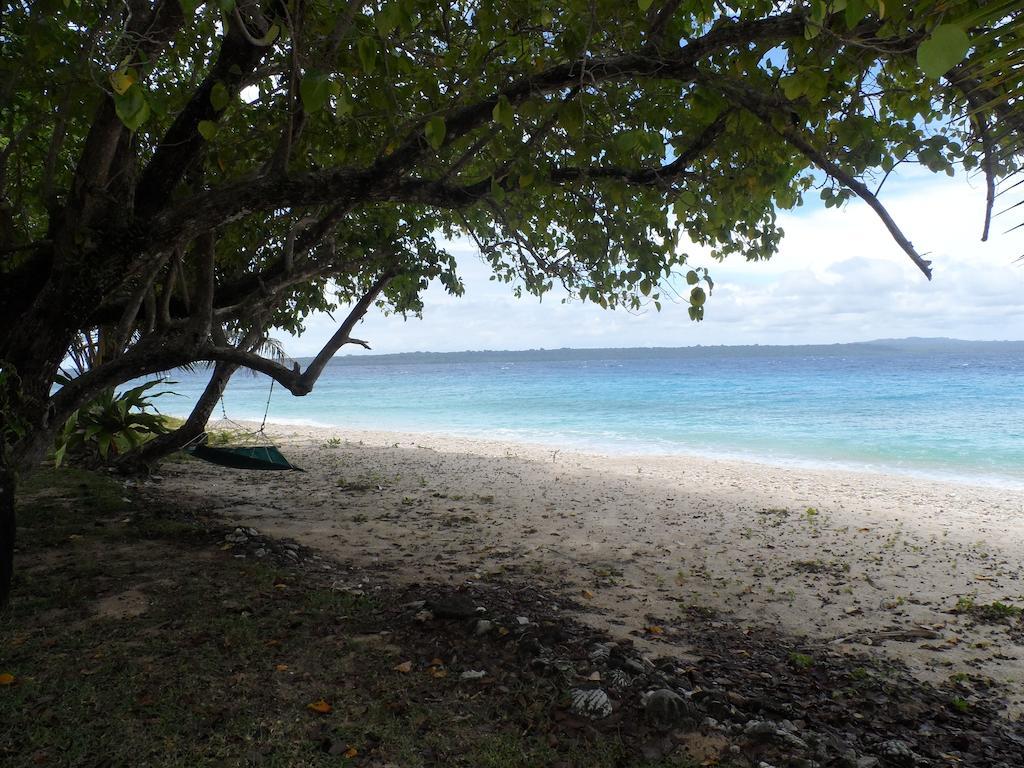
x: 176, y: 174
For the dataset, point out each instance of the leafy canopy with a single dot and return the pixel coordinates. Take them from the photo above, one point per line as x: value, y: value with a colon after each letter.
x: 319, y: 147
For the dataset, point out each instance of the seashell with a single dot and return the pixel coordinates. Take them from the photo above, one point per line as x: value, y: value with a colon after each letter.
x: 593, y: 703
x: 600, y: 653
x: 619, y: 680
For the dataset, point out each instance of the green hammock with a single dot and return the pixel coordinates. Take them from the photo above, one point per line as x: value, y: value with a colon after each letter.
x: 247, y: 457
x: 242, y: 456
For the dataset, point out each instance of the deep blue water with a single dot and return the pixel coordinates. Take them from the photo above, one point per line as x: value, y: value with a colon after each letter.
x: 947, y: 409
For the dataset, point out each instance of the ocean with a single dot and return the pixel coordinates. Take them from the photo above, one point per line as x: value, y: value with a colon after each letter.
x: 937, y: 408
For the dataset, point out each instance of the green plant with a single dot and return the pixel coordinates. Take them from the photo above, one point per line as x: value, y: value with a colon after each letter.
x: 111, y: 424
x: 801, y: 660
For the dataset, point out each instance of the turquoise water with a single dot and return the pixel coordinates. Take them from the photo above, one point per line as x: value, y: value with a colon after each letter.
x: 946, y: 409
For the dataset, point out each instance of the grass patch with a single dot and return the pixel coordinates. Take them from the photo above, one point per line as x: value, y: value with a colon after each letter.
x: 133, y: 639
x: 988, y: 613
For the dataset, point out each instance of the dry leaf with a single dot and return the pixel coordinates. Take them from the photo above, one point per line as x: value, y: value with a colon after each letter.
x: 587, y: 594
x: 655, y: 630
x: 281, y: 667
x: 405, y: 667
x: 320, y: 706
x: 435, y: 672
x: 436, y: 662
x: 502, y: 631
x: 7, y: 678
x: 350, y: 752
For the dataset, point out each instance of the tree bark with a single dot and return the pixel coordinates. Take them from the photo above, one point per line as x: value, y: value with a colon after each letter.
x: 7, y: 526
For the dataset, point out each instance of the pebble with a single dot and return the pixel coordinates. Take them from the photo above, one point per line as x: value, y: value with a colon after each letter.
x: 522, y: 620
x: 473, y: 674
x: 666, y: 709
x: 261, y: 552
x: 899, y: 752
x: 765, y: 730
x: 483, y: 626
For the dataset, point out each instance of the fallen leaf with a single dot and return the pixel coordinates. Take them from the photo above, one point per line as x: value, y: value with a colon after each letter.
x: 281, y: 667
x: 655, y: 630
x: 405, y: 667
x: 502, y: 631
x: 436, y: 662
x: 320, y: 706
x: 7, y: 678
x: 587, y: 594
x: 350, y: 752
x: 437, y: 673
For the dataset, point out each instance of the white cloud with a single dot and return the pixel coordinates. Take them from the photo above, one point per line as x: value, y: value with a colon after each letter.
x: 838, y: 277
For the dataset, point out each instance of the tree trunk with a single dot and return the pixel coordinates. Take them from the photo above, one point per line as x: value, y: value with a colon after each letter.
x: 162, y: 446
x: 7, y: 522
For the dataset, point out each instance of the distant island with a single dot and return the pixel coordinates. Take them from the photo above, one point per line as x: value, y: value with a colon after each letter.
x: 910, y: 345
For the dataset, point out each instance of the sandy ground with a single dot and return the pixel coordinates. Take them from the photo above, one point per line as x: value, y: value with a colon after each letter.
x: 838, y: 557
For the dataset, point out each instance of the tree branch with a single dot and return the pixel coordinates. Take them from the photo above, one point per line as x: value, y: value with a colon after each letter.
x: 774, y: 114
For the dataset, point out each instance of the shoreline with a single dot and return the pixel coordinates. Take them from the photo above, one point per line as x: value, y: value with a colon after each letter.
x: 560, y: 443
x: 838, y: 557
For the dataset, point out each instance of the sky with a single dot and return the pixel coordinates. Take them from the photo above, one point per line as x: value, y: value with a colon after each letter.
x: 838, y: 277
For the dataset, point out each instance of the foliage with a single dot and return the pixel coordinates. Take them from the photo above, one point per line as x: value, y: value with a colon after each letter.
x: 178, y: 177
x: 111, y: 424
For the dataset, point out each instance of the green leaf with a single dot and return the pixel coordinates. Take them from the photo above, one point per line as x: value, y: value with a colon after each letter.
x: 219, y: 96
x: 208, y: 129
x: 698, y: 297
x: 343, y: 107
x: 188, y: 7
x: 571, y: 118
x: 435, y: 130
x: 855, y: 10
x: 367, y: 50
x: 122, y: 80
x: 644, y: 4
x: 497, y: 191
x: 132, y: 107
x: 315, y: 91
x: 503, y: 113
x: 692, y: 278
x: 947, y: 47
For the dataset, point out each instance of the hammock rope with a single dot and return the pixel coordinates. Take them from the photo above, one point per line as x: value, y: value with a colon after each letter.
x: 252, y: 456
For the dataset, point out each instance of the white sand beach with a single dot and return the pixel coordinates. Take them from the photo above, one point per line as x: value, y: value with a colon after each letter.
x: 830, y: 555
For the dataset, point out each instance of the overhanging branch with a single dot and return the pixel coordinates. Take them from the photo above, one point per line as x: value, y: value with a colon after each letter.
x: 774, y: 114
